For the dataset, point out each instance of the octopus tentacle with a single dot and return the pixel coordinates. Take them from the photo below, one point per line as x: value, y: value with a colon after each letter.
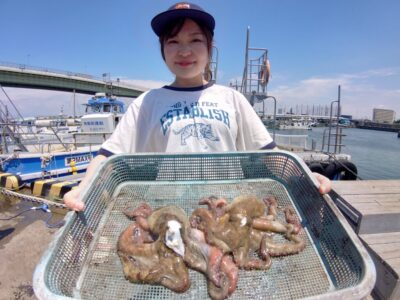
x: 203, y: 257
x: 228, y: 282
x: 218, y: 292
x: 265, y: 224
x: 290, y: 216
x: 143, y: 210
x: 272, y: 207
x: 245, y: 262
x: 229, y: 268
x: 283, y: 249
x: 215, y: 205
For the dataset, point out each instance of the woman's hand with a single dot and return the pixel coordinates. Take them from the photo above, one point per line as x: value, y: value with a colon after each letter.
x: 73, y: 201
x: 325, y: 185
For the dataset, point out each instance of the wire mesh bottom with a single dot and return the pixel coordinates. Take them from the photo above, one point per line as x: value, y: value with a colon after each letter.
x: 289, y: 277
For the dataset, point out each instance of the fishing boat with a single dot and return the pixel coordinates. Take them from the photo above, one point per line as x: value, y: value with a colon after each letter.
x: 22, y: 167
x: 296, y: 124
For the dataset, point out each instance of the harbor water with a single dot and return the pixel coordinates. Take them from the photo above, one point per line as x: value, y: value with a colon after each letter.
x: 375, y: 153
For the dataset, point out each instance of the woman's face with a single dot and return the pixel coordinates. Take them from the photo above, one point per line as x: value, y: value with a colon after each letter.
x: 186, y: 55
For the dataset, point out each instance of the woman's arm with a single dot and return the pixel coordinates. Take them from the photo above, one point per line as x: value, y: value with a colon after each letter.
x: 72, y: 199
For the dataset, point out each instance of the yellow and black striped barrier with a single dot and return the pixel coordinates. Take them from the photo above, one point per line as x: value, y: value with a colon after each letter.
x: 10, y: 181
x: 52, y: 188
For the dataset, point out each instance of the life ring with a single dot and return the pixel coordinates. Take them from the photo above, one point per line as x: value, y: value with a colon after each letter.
x: 341, y: 170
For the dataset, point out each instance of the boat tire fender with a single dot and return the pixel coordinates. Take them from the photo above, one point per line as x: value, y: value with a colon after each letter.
x: 316, y: 167
x: 341, y: 170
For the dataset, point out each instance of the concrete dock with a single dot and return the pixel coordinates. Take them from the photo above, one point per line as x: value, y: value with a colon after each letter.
x: 372, y: 208
x: 22, y: 243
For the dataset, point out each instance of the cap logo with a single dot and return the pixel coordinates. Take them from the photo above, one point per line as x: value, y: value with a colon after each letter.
x: 182, y: 6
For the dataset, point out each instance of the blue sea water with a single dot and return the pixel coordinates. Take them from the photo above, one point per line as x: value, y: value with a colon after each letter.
x: 375, y: 153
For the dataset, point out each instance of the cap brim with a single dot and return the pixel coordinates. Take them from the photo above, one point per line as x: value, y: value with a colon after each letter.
x: 160, y: 21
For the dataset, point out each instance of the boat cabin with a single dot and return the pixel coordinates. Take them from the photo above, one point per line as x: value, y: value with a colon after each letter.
x: 103, y: 113
x: 100, y: 103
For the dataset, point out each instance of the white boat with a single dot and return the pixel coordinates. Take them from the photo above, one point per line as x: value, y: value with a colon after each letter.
x: 101, y: 117
x: 60, y: 159
x: 303, y: 125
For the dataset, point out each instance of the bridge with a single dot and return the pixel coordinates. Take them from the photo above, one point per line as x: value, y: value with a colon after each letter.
x: 20, y: 75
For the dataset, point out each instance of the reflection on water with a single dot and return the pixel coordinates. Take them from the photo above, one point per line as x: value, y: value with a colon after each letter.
x: 375, y: 153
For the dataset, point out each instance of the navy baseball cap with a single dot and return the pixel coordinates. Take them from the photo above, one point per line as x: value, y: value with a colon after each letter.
x: 182, y: 10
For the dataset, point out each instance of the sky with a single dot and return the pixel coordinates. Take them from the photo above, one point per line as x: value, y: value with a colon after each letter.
x: 313, y: 46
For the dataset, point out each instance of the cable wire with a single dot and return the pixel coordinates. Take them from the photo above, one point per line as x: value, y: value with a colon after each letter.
x: 44, y: 208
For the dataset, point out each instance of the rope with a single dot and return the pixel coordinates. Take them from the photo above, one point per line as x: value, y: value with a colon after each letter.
x: 31, y: 198
x: 43, y: 208
x: 17, y: 188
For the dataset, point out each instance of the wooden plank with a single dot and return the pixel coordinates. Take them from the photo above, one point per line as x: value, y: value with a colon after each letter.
x: 376, y: 198
x: 373, y: 205
x: 381, y: 238
x: 376, y: 209
x: 387, y: 284
x: 378, y: 223
x: 394, y: 263
x: 387, y: 251
x: 361, y: 187
x: 386, y: 246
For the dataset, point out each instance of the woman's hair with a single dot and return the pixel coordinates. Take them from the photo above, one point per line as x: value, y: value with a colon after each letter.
x: 173, y: 29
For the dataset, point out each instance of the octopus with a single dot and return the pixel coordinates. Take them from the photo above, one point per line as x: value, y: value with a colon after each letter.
x: 160, y: 245
x: 244, y: 227
x: 149, y: 260
x: 176, y: 244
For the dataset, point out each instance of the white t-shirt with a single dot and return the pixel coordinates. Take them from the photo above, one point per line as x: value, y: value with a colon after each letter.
x: 210, y: 118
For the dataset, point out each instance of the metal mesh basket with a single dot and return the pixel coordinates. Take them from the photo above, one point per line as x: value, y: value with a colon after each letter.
x: 82, y: 261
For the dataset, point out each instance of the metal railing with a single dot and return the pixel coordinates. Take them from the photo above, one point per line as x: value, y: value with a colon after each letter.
x: 104, y: 78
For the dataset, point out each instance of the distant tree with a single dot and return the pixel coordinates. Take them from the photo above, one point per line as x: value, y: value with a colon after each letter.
x: 397, y: 121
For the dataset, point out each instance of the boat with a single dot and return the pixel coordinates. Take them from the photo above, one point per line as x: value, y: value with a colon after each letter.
x: 21, y: 167
x: 102, y: 115
x: 301, y: 125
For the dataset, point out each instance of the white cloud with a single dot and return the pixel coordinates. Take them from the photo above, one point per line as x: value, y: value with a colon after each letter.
x: 33, y: 102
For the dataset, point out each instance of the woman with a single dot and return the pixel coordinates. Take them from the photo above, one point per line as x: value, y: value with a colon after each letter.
x: 191, y: 114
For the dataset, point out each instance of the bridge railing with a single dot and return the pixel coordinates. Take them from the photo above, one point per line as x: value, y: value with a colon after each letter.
x: 23, y: 67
